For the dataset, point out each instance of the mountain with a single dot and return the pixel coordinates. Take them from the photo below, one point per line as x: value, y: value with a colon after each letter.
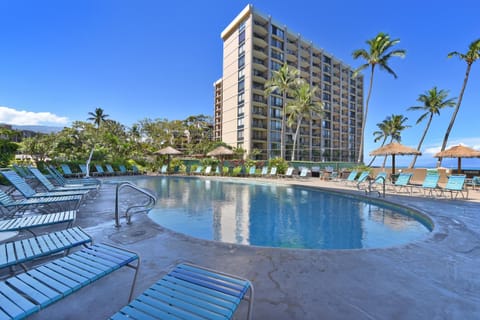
x: 41, y: 129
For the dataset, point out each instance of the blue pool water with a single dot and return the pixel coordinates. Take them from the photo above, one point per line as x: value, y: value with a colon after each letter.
x: 277, y: 216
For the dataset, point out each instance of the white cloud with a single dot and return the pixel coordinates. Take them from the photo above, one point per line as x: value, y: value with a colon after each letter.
x: 472, y: 142
x: 23, y: 117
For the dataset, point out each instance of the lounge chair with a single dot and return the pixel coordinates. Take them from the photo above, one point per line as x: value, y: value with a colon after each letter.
x: 252, y: 171
x: 18, y: 252
x: 62, y: 181
x: 83, y: 169
x: 208, y: 170
x: 264, y: 171
x: 99, y: 171
x: 191, y: 292
x: 362, y: 179
x: 430, y: 184
x: 10, y: 207
x: 198, y: 170
x: 24, y: 294
x: 22, y: 172
x: 110, y: 170
x: 456, y: 184
x: 303, y: 173
x: 273, y: 172
x: 51, y: 188
x: 351, y: 177
x: 474, y: 182
x: 403, y: 182
x: 67, y: 172
x: 27, y: 191
x: 123, y: 169
x: 33, y: 221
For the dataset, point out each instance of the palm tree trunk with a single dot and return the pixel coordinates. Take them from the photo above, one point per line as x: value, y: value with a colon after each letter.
x: 295, y: 138
x: 374, y: 157
x: 454, y: 115
x: 282, y: 132
x: 362, y: 138
x: 412, y: 164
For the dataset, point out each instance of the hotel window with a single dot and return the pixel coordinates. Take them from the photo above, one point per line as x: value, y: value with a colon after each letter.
x: 241, y: 74
x: 241, y: 37
x: 241, y: 61
x: 241, y: 49
x: 240, y: 122
x: 275, y: 113
x: 241, y: 97
x: 326, y: 96
x: 240, y: 110
x: 277, y: 55
x: 241, y: 85
x: 275, y: 136
x: 278, y: 44
x: 277, y: 31
x: 275, y: 66
x: 327, y: 59
x: 240, y: 134
x: 327, y: 78
x: 276, y: 101
x: 326, y: 124
x: 327, y: 106
x: 275, y: 125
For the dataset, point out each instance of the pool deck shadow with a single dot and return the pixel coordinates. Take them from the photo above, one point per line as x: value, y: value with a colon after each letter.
x: 434, y: 278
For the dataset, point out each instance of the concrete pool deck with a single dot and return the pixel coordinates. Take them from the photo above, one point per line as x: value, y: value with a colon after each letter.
x: 435, y: 278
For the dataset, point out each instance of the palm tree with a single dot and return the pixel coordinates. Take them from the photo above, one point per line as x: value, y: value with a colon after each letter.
x: 394, y: 126
x: 472, y: 55
x: 97, y: 117
x: 382, y: 134
x: 301, y: 108
x: 378, y: 54
x: 432, y: 101
x: 282, y: 81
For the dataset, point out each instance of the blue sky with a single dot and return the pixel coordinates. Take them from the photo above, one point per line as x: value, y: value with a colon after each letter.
x: 141, y: 59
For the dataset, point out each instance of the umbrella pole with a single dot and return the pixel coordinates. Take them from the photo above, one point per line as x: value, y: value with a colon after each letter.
x: 393, y: 164
x: 459, y: 165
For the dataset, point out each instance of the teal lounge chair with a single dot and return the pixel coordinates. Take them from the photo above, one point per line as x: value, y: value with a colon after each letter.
x: 123, y: 170
x: 51, y: 188
x: 67, y: 172
x: 198, y: 170
x: 351, y: 177
x: 23, y: 187
x: 430, y: 184
x: 191, y: 292
x: 252, y: 171
x: 10, y: 207
x: 62, y: 181
x: 110, y: 170
x: 362, y: 179
x: 25, y: 250
x: 403, y: 182
x: 99, y: 171
x: 33, y: 221
x: 456, y: 184
x: 135, y: 170
x: 83, y: 169
x: 24, y: 294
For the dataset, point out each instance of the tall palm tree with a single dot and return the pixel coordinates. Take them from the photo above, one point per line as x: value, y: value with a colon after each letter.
x: 433, y: 101
x: 282, y: 81
x: 381, y: 134
x: 395, y: 124
x: 472, y: 55
x: 302, y: 107
x: 378, y: 54
x: 97, y: 117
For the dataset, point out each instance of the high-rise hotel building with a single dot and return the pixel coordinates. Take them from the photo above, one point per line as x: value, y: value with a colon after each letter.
x: 254, y: 46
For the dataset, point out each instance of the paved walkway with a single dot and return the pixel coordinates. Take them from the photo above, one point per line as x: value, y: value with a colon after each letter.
x: 436, y: 278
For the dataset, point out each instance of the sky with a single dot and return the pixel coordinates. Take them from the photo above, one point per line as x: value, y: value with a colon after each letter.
x: 153, y: 59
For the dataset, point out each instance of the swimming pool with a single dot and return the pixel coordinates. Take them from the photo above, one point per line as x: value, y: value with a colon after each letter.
x: 273, y: 215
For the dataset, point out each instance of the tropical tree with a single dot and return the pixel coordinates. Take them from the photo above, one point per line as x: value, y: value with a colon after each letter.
x: 97, y: 117
x: 302, y: 107
x: 381, y: 134
x: 379, y: 53
x: 281, y: 82
x: 433, y: 101
x: 393, y: 126
x: 472, y: 55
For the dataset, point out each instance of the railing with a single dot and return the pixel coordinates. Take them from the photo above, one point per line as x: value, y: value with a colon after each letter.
x: 372, y: 181
x: 143, y: 207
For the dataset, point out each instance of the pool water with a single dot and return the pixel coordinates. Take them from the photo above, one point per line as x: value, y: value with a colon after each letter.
x: 278, y: 216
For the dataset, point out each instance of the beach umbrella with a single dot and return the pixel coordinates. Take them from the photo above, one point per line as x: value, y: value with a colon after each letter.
x: 393, y: 149
x: 458, y: 152
x: 220, y: 152
x: 168, y: 151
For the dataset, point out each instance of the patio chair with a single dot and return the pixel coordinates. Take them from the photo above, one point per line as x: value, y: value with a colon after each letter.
x: 403, y: 182
x: 288, y: 173
x: 27, y: 191
x: 474, y: 182
x: 252, y: 170
x: 24, y: 294
x: 123, y: 169
x: 208, y: 170
x: 264, y: 171
x: 33, y: 221
x: 51, y: 188
x: 430, y: 184
x: 26, y: 250
x: 273, y: 172
x: 62, y: 181
x: 67, y: 172
x: 163, y: 169
x: 456, y: 184
x: 10, y: 207
x: 110, y: 170
x: 191, y: 292
x: 303, y: 173
x: 198, y: 170
x: 351, y: 177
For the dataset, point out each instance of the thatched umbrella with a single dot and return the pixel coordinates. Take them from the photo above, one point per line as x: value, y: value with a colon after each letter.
x: 220, y: 152
x: 168, y: 151
x: 458, y: 152
x: 393, y: 149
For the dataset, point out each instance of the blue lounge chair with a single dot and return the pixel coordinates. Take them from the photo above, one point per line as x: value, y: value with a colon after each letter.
x: 123, y: 169
x: 430, y: 184
x: 10, y: 207
x: 25, y: 250
x: 110, y: 170
x: 135, y: 170
x: 252, y: 171
x: 351, y: 177
x: 198, y: 170
x: 456, y: 184
x: 264, y: 171
x: 33, y: 221
x: 51, y: 188
x: 23, y: 187
x: 67, y: 172
x: 403, y: 182
x: 362, y: 179
x: 99, y: 171
x: 191, y: 292
x: 83, y: 169
x: 24, y: 294
x: 62, y: 181
x: 163, y: 169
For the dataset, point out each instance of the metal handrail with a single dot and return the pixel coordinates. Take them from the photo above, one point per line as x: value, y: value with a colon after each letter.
x: 372, y: 181
x: 152, y: 199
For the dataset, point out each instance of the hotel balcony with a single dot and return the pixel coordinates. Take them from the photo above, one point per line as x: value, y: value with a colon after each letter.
x: 259, y: 41
x: 260, y: 29
x: 259, y: 54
